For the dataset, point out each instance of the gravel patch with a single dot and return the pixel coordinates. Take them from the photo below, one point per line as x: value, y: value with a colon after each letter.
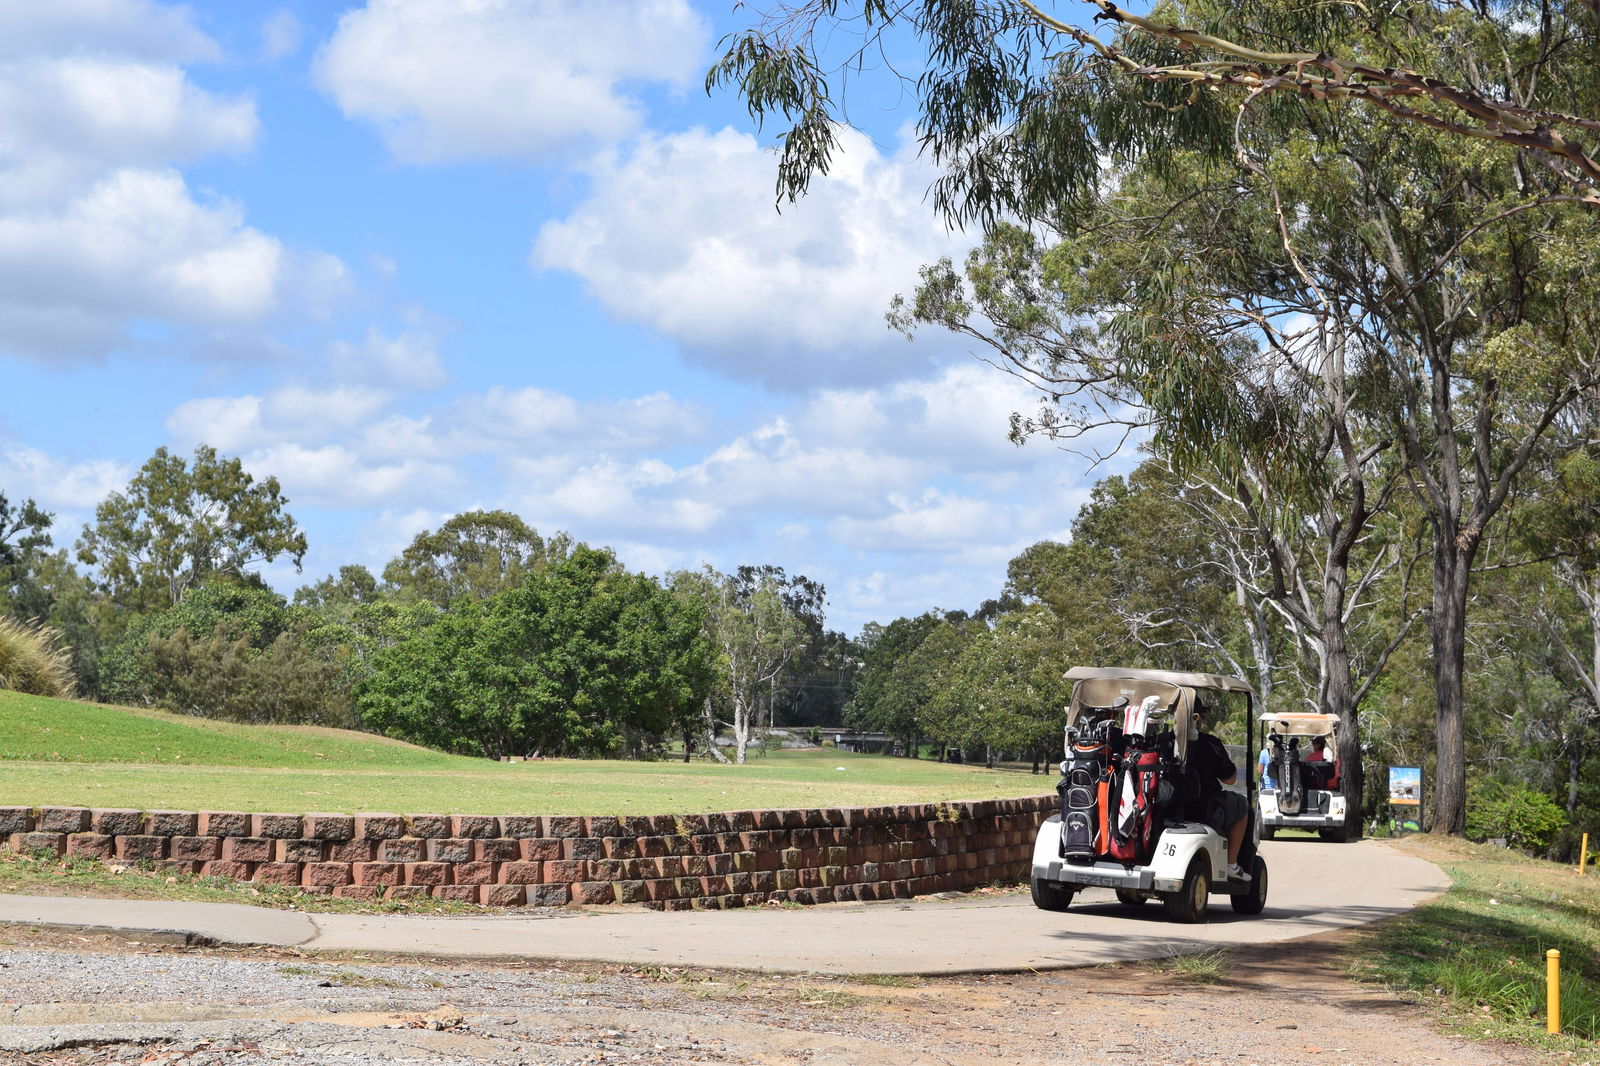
x: 88, y: 1000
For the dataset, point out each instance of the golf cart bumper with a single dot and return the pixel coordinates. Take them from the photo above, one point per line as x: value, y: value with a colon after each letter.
x: 1104, y: 875
x: 1331, y: 818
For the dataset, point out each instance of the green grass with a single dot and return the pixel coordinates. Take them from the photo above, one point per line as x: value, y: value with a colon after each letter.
x: 1200, y: 968
x: 1477, y: 954
x: 59, y: 752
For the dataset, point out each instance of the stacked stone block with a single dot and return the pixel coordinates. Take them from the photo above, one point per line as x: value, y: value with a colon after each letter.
x: 670, y: 862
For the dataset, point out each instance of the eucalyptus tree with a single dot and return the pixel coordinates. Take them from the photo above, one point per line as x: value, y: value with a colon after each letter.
x: 178, y: 524
x: 1550, y: 584
x: 475, y: 553
x: 1177, y: 317
x: 751, y: 623
x: 1410, y: 179
x: 890, y: 696
x: 1006, y: 691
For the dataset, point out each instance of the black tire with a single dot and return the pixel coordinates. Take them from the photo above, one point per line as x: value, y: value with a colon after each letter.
x: 1048, y: 896
x: 1188, y: 904
x: 1268, y: 832
x: 1337, y: 835
x: 1255, y: 900
x: 1130, y: 898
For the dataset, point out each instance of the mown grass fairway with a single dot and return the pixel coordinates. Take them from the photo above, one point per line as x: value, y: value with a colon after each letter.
x: 58, y: 752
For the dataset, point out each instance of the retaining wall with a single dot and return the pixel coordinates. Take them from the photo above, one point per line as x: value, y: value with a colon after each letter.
x: 673, y: 862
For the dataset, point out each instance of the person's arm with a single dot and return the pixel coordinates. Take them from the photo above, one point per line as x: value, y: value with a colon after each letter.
x: 1222, y: 763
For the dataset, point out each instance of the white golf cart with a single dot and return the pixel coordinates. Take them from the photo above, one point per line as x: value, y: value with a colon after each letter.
x: 1130, y: 820
x: 1305, y: 792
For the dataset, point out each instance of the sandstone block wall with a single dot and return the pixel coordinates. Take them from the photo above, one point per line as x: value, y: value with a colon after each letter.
x: 672, y: 862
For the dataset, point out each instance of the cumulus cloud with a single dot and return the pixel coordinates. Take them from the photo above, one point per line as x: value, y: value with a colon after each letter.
x: 681, y: 235
x: 518, y: 417
x: 296, y: 412
x: 504, y: 79
x: 336, y: 476
x: 58, y: 484
x: 137, y: 28
x: 100, y: 235
x: 135, y: 244
x: 934, y: 521
x: 70, y: 118
x: 409, y: 360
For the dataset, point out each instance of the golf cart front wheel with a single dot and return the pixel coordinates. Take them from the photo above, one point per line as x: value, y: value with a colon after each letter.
x: 1048, y: 896
x: 1131, y: 898
x: 1188, y: 904
x: 1253, y: 901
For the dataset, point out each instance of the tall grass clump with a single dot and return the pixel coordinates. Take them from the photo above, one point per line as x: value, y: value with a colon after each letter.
x: 32, y: 661
x: 1478, y: 951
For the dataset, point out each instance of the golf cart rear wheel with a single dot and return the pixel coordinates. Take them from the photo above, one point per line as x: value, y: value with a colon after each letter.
x: 1188, y: 904
x: 1268, y: 832
x: 1337, y: 835
x: 1050, y: 897
x: 1131, y: 898
x: 1253, y: 901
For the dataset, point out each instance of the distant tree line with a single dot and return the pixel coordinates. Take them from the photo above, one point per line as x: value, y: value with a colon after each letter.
x: 483, y: 637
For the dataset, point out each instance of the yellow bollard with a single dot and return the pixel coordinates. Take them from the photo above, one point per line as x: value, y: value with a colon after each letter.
x: 1552, y: 990
x: 1583, y: 855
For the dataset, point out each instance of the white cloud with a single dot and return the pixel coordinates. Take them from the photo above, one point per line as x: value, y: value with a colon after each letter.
x: 134, y: 245
x: 446, y: 80
x: 632, y: 498
x: 773, y: 466
x: 102, y: 239
x: 70, y: 119
x: 335, y: 476
x: 932, y: 522
x: 519, y: 417
x: 59, y: 484
x: 681, y: 235
x: 127, y: 27
x: 281, y: 33
x: 409, y: 360
x: 295, y: 413
x: 960, y: 415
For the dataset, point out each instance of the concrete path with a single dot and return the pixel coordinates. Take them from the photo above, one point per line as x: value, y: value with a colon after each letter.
x: 1314, y: 887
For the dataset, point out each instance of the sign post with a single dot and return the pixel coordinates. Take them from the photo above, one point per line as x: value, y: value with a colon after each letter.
x: 1405, y: 796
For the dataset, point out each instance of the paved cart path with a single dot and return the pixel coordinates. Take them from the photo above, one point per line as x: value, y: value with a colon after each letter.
x: 1314, y: 887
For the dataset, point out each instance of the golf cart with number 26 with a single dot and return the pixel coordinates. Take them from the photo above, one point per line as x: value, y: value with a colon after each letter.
x: 1131, y: 804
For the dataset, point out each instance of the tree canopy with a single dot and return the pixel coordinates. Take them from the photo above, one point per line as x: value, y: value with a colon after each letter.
x: 178, y: 524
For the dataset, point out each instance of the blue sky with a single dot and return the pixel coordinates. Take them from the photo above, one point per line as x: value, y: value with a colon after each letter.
x: 415, y: 257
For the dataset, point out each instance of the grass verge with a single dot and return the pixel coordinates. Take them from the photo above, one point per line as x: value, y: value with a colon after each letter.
x: 28, y: 875
x: 1476, y: 955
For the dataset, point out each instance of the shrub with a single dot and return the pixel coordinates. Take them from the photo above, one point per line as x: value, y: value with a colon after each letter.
x: 32, y: 661
x: 223, y: 677
x: 1526, y: 819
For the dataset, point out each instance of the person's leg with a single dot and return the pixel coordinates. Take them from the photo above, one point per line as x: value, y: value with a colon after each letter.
x: 1235, y: 840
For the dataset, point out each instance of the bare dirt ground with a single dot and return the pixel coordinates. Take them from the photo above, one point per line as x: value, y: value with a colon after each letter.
x: 69, y: 999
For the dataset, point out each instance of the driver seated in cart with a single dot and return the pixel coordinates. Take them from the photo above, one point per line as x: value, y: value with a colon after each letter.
x: 1226, y: 812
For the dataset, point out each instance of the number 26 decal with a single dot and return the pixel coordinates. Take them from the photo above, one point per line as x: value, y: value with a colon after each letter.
x: 1169, y: 849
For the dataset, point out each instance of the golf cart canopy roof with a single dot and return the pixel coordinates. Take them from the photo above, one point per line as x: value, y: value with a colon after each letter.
x: 1098, y: 688
x: 1218, y: 682
x: 1301, y: 724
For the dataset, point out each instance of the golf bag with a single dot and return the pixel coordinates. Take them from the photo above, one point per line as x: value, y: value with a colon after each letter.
x: 1083, y: 791
x: 1286, y: 768
x: 1136, y: 792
